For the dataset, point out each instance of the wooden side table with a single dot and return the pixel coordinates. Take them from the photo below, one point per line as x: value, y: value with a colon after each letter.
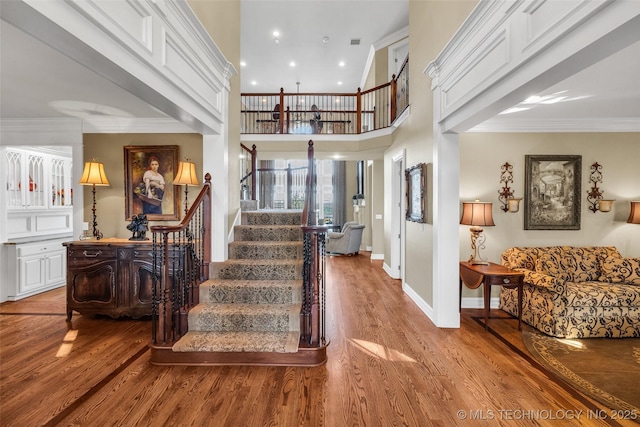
x: 474, y: 275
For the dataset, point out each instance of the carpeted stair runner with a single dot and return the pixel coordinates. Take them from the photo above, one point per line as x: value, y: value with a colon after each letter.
x: 252, y: 301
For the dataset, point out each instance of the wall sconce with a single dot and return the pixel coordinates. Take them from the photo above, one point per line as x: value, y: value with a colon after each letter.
x: 634, y: 215
x: 186, y: 176
x: 93, y: 175
x: 477, y: 214
x: 505, y: 194
x: 605, y: 205
x: 594, y: 195
x: 513, y: 204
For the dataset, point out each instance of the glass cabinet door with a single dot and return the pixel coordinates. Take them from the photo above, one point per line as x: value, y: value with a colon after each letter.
x: 34, y: 182
x: 14, y: 178
x: 61, y: 191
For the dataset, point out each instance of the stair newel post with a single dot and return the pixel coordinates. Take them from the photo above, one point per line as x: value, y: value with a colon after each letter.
x: 281, y: 112
x: 289, y: 185
x: 254, y: 172
x: 394, y: 89
x: 359, y: 111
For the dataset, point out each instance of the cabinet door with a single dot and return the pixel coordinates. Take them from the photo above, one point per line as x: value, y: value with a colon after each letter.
x: 142, y: 277
x: 34, y: 183
x: 61, y: 191
x: 55, y: 267
x: 14, y: 161
x: 92, y: 286
x: 32, y: 273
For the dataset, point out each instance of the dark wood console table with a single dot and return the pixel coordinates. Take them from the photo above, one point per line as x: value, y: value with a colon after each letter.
x: 109, y: 276
x: 474, y: 275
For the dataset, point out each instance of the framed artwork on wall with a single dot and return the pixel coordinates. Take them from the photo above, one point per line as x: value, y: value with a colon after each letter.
x: 552, y: 192
x: 148, y: 177
x: 416, y: 177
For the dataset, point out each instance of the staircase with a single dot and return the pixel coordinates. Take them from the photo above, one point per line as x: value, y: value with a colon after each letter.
x: 249, y: 309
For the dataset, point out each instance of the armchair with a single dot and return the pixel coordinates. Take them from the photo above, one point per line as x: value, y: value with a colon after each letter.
x: 346, y: 241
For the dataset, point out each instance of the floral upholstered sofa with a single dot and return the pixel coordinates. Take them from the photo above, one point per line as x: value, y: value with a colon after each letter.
x: 576, y: 292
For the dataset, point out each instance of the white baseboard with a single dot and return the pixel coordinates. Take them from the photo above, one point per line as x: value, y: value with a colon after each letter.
x: 478, y: 302
x: 422, y: 304
x: 390, y: 272
x: 377, y: 256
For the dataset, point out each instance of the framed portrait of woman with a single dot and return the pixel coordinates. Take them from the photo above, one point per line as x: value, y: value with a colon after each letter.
x: 148, y: 182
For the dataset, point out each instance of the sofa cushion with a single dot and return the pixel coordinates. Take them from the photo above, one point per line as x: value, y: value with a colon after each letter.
x: 618, y: 270
x: 583, y: 263
x: 550, y: 264
x: 600, y: 294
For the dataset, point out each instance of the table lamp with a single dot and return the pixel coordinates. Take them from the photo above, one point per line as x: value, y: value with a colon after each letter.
x: 186, y: 176
x: 93, y: 175
x: 477, y: 214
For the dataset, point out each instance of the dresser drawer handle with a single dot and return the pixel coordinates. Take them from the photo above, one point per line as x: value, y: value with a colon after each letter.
x: 92, y: 254
x: 506, y: 280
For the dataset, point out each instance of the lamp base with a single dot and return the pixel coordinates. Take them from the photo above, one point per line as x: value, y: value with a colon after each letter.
x: 477, y: 262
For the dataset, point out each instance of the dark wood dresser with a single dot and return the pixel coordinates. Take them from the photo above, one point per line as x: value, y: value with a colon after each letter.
x: 109, y: 276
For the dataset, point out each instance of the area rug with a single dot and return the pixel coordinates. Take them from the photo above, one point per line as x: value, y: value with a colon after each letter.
x: 606, y: 370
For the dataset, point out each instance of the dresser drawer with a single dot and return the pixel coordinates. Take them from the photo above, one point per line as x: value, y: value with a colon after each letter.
x: 89, y: 255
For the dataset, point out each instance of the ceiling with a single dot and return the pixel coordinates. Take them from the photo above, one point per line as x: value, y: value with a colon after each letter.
x: 46, y: 84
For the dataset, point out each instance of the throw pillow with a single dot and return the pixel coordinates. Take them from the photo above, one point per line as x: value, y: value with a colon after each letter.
x: 619, y: 270
x: 585, y: 263
x: 550, y: 265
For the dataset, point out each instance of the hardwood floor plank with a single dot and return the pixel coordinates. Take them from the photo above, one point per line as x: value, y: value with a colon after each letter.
x: 387, y: 365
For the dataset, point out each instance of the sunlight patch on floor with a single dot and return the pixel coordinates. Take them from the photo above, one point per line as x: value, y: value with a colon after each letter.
x: 380, y: 351
x: 67, y: 343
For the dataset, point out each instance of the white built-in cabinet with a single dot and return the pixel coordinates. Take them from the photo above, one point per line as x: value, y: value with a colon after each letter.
x: 39, y: 193
x: 36, y: 267
x: 39, y: 216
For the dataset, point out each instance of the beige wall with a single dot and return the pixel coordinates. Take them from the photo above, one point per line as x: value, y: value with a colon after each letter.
x: 482, y: 155
x: 431, y: 25
x: 110, y: 201
x: 221, y: 18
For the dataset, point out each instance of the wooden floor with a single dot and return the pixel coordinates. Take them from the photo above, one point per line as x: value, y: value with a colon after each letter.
x: 388, y: 365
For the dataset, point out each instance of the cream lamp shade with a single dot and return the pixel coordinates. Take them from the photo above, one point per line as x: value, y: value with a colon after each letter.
x: 186, y: 174
x: 94, y: 174
x: 634, y: 215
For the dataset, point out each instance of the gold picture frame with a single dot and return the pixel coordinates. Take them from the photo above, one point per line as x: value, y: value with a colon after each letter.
x: 148, y: 191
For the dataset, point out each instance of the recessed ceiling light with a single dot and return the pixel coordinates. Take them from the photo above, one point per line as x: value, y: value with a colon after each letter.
x: 253, y: 82
x: 292, y: 64
x: 243, y: 64
x: 339, y: 83
x: 276, y: 33
x: 325, y: 39
x: 341, y: 63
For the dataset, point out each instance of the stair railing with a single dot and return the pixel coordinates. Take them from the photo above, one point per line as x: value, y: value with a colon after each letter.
x: 339, y: 113
x: 312, y: 316
x: 181, y: 258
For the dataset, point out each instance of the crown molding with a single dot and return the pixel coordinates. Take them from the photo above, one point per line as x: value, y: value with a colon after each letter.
x: 134, y: 125
x: 49, y: 125
x: 551, y: 126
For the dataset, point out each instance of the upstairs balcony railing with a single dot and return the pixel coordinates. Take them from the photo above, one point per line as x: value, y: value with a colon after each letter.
x: 326, y: 113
